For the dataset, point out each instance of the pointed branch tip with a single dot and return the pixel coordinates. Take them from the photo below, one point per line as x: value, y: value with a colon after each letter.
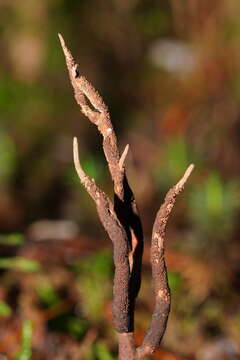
x: 61, y: 40
x: 75, y: 141
x: 76, y: 154
x: 68, y: 56
x: 185, y: 177
x: 123, y: 156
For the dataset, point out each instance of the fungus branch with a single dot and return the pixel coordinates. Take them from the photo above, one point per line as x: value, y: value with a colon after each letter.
x: 159, y: 272
x: 123, y: 225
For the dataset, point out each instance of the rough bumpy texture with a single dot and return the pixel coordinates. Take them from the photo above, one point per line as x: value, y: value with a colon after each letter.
x: 123, y: 225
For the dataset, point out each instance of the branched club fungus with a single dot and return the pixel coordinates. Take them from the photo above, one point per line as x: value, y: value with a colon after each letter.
x: 122, y: 223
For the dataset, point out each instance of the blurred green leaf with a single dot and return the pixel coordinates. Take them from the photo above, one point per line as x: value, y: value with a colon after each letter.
x: 7, y: 155
x: 19, y: 264
x: 174, y: 281
x: 99, y: 264
x: 94, y: 282
x: 214, y: 194
x: 93, y: 166
x: 12, y: 239
x: 25, y: 352
x: 76, y: 327
x: 71, y: 178
x: 12, y: 94
x: 176, y: 159
x: 69, y: 324
x: 102, y: 352
x: 212, y: 207
x: 47, y: 295
x: 5, y: 309
x: 177, y: 156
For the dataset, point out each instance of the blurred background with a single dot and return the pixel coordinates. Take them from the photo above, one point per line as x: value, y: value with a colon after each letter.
x: 170, y: 74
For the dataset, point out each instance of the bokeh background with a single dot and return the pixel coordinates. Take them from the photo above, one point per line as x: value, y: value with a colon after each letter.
x: 170, y: 74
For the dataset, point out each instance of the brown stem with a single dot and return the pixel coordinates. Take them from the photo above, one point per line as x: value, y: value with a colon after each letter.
x: 126, y: 346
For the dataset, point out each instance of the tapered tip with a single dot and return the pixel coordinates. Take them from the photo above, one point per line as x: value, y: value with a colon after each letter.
x: 68, y: 56
x: 75, y: 141
x: 189, y: 170
x: 185, y: 177
x: 123, y: 156
x: 61, y: 39
x: 75, y: 152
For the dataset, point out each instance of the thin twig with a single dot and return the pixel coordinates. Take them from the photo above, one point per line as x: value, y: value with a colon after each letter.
x: 159, y: 272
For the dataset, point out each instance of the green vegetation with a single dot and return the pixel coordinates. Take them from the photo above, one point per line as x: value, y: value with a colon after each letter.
x: 25, y: 352
x: 19, y: 264
x: 5, y: 310
x: 15, y: 239
x: 94, y: 283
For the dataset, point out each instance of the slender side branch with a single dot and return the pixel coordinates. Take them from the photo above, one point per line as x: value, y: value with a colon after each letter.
x: 118, y: 236
x: 123, y: 158
x: 159, y: 272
